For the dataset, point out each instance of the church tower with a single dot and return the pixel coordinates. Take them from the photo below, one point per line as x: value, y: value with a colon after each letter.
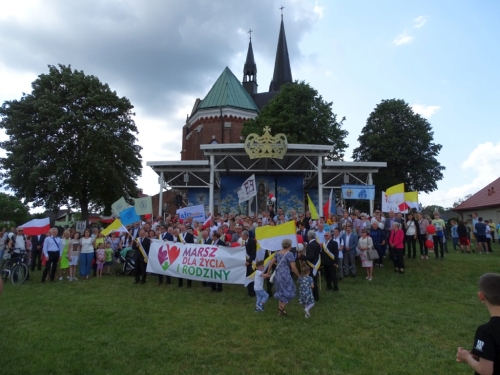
x: 282, y: 70
x: 250, y: 70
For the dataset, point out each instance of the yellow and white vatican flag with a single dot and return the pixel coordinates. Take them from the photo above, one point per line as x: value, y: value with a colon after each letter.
x: 393, y: 197
x: 115, y: 226
x: 411, y: 199
x: 270, y: 237
x: 251, y: 278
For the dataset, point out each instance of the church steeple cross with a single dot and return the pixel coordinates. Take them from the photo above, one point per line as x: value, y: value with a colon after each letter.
x: 282, y: 7
x: 250, y: 32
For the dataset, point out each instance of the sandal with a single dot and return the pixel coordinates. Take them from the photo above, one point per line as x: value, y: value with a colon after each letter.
x: 282, y: 311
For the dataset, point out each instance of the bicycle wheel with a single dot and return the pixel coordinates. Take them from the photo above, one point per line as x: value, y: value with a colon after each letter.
x: 19, y: 274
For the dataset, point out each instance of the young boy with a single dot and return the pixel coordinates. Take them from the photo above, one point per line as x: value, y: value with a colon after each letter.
x: 485, y: 356
x: 258, y: 287
x: 109, y: 256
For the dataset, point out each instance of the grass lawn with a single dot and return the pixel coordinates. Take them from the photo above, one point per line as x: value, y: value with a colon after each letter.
x: 396, y: 324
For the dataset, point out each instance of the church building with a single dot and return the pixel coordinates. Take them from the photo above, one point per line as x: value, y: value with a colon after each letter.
x: 219, y: 117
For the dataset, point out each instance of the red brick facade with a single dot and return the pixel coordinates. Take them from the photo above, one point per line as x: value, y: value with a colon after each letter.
x: 208, y: 129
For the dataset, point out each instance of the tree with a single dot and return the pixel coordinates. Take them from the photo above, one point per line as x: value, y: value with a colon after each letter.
x: 404, y: 139
x: 13, y: 210
x: 303, y: 116
x: 460, y: 201
x: 70, y: 142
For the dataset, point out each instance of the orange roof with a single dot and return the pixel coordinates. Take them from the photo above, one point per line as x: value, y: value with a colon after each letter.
x: 489, y: 196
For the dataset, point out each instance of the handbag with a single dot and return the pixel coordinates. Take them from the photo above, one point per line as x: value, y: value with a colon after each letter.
x: 372, y: 254
x: 273, y: 275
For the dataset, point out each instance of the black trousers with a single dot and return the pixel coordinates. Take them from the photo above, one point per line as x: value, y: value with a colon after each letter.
x: 36, y: 255
x: 331, y: 277
x: 181, y: 283
x: 216, y: 287
x: 411, y: 244
x: 316, y: 288
x: 250, y: 290
x: 421, y: 243
x: 438, y: 242
x: 51, y: 262
x: 140, y: 267
x: 160, y: 279
x: 400, y: 258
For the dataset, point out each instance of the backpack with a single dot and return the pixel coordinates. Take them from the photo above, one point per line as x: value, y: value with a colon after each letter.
x: 13, y: 239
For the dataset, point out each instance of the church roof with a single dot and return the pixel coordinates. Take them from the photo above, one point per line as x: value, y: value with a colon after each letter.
x: 489, y: 196
x: 227, y: 91
x: 282, y: 70
x: 250, y: 64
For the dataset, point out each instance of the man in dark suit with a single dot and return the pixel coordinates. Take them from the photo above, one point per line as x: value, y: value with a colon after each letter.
x: 185, y: 237
x: 36, y: 251
x: 313, y: 252
x: 216, y: 240
x: 303, y: 231
x: 350, y: 244
x: 251, y: 250
x: 329, y: 260
x: 140, y: 263
x: 165, y: 236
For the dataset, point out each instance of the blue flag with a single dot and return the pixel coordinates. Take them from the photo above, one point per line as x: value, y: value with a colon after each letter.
x: 129, y: 216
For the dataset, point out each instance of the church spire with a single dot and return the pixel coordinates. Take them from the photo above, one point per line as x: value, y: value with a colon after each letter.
x: 250, y: 70
x: 282, y: 70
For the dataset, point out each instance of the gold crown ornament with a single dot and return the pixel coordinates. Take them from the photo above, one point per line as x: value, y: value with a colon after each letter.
x: 266, y: 145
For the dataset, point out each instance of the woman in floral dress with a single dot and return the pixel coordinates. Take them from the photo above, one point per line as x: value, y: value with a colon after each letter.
x: 285, y: 286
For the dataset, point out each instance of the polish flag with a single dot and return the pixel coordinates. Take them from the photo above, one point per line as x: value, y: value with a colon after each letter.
x: 36, y: 226
x: 206, y: 224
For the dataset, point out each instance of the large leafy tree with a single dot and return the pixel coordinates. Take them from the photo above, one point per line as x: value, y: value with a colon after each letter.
x: 13, y: 210
x: 404, y: 139
x: 71, y: 141
x: 303, y: 116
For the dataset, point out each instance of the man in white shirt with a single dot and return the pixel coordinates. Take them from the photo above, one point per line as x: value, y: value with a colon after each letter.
x: 17, y: 241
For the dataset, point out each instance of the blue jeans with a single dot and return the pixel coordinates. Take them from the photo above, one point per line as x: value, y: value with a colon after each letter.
x: 262, y: 297
x: 86, y: 263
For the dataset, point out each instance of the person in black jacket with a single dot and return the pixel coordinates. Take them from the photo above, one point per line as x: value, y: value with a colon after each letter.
x: 140, y: 263
x: 329, y: 260
x: 251, y: 250
x: 313, y: 253
x: 185, y: 237
x: 36, y: 251
x: 217, y: 287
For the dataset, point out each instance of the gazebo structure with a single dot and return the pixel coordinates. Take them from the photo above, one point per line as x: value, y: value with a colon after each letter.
x: 304, y: 160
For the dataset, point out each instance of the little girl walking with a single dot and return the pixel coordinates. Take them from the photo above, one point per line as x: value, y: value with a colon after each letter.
x: 100, y: 255
x: 306, y: 285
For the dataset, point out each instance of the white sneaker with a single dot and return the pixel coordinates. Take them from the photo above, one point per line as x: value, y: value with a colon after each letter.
x: 307, y: 313
x: 61, y: 279
x: 75, y: 279
x: 69, y: 278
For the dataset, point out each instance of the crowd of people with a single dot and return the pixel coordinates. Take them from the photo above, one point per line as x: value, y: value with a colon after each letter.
x: 336, y: 243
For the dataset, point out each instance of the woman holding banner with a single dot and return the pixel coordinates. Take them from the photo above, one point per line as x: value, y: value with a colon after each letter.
x: 285, y: 286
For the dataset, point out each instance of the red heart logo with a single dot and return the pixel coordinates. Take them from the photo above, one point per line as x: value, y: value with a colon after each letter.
x: 162, y: 255
x: 173, y: 253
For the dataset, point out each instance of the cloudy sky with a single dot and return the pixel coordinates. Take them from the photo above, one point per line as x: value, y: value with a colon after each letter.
x: 441, y: 57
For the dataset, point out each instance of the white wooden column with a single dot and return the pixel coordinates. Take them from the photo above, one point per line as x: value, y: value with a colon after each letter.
x: 211, y: 186
x: 370, y: 182
x: 160, y: 198
x: 320, y: 186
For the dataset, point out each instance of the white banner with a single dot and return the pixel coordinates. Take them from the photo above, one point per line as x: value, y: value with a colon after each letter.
x: 197, y: 213
x: 207, y: 263
x: 247, y: 190
x: 390, y: 205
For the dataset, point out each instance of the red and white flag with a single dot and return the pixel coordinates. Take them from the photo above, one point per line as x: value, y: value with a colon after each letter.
x: 36, y: 226
x: 327, y: 208
x: 206, y: 224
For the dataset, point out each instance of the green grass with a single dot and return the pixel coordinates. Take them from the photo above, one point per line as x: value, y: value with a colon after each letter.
x: 396, y: 324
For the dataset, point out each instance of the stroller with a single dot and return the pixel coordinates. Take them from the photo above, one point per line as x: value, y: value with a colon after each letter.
x: 125, y: 258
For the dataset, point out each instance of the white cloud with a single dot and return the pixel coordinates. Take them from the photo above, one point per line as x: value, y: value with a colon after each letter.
x: 402, y: 39
x: 318, y: 10
x: 419, y: 21
x: 479, y: 169
x: 425, y: 110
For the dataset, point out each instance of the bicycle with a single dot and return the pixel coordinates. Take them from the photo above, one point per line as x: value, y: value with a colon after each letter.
x: 14, y: 266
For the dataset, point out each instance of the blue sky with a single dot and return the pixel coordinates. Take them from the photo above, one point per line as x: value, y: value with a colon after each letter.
x: 441, y: 57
